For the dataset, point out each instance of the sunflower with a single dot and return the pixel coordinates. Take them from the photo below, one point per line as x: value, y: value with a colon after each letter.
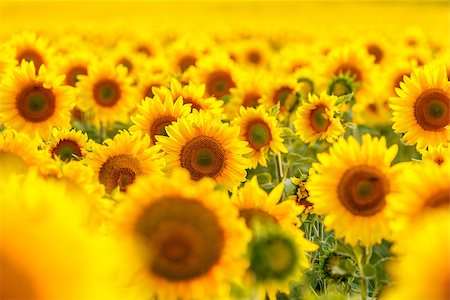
x: 149, y: 77
x: 351, y: 185
x: 191, y: 93
x: 119, y: 161
x: 206, y: 147
x: 186, y: 51
x: 317, y: 120
x: 283, y: 91
x: 19, y: 153
x: 301, y: 196
x: 253, y: 52
x: 422, y: 109
x: 440, y: 154
x: 184, y: 240
x: 106, y: 92
x: 292, y: 58
x: 34, y: 104
x: 38, y: 215
x: 74, y: 64
x: 154, y: 114
x: 262, y: 133
x: 7, y: 60
x: 68, y: 144
x: 372, y: 107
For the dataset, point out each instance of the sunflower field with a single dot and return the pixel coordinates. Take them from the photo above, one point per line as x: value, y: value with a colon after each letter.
x: 154, y: 150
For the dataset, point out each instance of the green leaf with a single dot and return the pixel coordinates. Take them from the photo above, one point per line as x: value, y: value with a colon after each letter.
x: 369, y: 271
x: 345, y: 250
x: 345, y: 98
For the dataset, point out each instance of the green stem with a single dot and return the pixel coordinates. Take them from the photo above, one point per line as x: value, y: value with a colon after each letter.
x: 364, y: 282
x: 279, y: 166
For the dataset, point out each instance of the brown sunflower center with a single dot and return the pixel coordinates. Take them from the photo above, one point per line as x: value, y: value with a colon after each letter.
x: 282, y: 94
x: 67, y: 150
x: 351, y: 70
x: 362, y: 190
x: 149, y: 90
x: 15, y: 283
x: 72, y: 74
x: 186, y: 61
x: 120, y: 170
x: 159, y: 126
x: 318, y: 119
x: 439, y: 199
x: 31, y: 55
x: 194, y: 104
x: 258, y: 134
x: 36, y: 103
x: 254, y: 57
x: 203, y: 156
x: 126, y: 63
x: 251, y: 99
x: 431, y: 110
x: 254, y: 214
x: 219, y: 83
x: 184, y: 238
x: 107, y: 92
x: 376, y: 51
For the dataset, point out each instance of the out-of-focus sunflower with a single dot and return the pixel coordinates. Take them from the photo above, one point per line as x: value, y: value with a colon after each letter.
x: 183, y: 240
x: 422, y: 109
x: 34, y: 104
x: 262, y: 133
x: 154, y: 114
x: 186, y: 51
x: 317, y: 120
x: 34, y: 215
x: 19, y: 153
x: 252, y: 52
x: 74, y: 64
x: 119, y: 161
x: 68, y: 144
x: 123, y: 53
x: 206, y: 147
x: 377, y: 46
x: 282, y: 91
x: 350, y: 185
x: 439, y: 155
x: 152, y: 74
x: 7, y: 60
x: 107, y: 93
x: 372, y: 107
x: 292, y: 58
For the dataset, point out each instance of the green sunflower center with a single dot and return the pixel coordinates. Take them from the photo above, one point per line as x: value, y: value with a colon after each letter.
x: 219, y: 83
x: 31, y: 55
x: 184, y: 238
x: 36, y: 104
x: 362, y: 190
x: 340, y: 87
x: 16, y: 284
x: 67, y: 150
x: 439, y: 200
x: 273, y: 257
x: 107, y: 92
x: 318, y: 119
x: 431, y: 110
x: 159, y: 126
x: 306, y: 86
x: 72, y: 74
x: 119, y: 171
x: 258, y: 134
x: 254, y: 214
x: 203, y: 156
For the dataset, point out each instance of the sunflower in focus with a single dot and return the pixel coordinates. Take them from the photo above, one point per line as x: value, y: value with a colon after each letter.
x: 350, y: 185
x: 301, y: 196
x: 439, y: 155
x: 34, y: 104
x: 183, y: 240
x: 69, y: 144
x: 422, y: 109
x: 262, y: 133
x: 119, y: 161
x: 107, y: 93
x: 206, y: 147
x: 317, y: 120
x: 154, y: 114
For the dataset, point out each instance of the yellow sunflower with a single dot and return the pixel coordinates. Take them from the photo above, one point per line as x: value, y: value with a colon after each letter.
x: 154, y: 114
x: 372, y: 107
x: 183, y: 240
x: 292, y: 58
x: 44, y: 252
x: 68, y: 144
x: 119, y: 161
x: 19, y: 153
x: 7, y: 60
x: 350, y: 185
x: 317, y: 120
x: 253, y: 52
x: 34, y: 104
x: 301, y: 196
x: 186, y: 51
x: 262, y: 133
x: 206, y: 147
x: 74, y: 64
x: 422, y: 109
x: 148, y: 78
x: 107, y: 93
x: 282, y: 91
x: 439, y: 155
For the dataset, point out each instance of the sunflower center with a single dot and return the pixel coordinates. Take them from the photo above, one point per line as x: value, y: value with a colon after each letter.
x: 362, y: 190
x: 203, y: 156
x: 107, y: 92
x: 431, y: 110
x: 251, y: 99
x: 349, y: 70
x: 194, y: 104
x: 186, y: 61
x: 36, y: 103
x: 318, y: 119
x: 159, y: 126
x: 218, y: 83
x: 149, y: 91
x: 258, y: 134
x: 254, y: 214
x: 254, y: 57
x: 31, y: 55
x: 273, y: 257
x: 16, y: 284
x: 439, y: 199
x: 306, y: 86
x: 376, y: 51
x: 126, y: 63
x: 183, y: 236
x: 72, y: 74
x: 11, y: 162
x: 120, y: 170
x: 340, y: 87
x: 66, y: 150
x: 282, y: 94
